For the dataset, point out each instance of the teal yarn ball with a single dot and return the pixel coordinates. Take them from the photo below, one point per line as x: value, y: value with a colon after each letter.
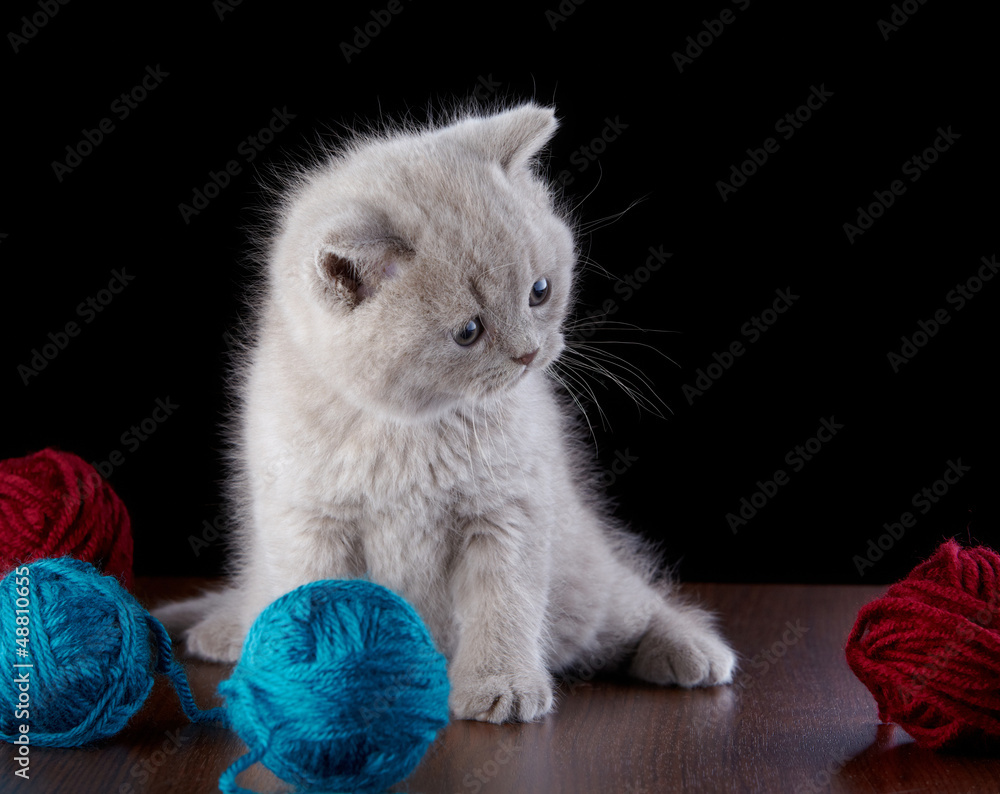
x: 339, y: 688
x: 82, y: 653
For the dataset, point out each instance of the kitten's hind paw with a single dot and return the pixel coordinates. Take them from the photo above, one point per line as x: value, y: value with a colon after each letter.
x: 500, y: 697
x: 178, y: 616
x: 207, y: 624
x: 218, y: 638
x: 685, y: 654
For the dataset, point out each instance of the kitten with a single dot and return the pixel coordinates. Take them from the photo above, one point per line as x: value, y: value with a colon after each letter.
x: 398, y: 421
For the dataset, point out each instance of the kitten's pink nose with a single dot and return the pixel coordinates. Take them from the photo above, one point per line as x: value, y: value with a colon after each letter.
x: 527, y: 358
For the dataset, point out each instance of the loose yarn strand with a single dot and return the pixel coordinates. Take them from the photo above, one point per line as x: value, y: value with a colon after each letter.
x: 227, y: 781
x: 168, y: 665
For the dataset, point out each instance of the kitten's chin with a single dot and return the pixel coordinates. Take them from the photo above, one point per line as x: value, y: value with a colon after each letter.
x: 515, y: 381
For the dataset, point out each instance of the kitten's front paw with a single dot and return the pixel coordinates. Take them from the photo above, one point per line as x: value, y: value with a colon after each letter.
x: 687, y: 656
x: 218, y: 638
x: 520, y: 696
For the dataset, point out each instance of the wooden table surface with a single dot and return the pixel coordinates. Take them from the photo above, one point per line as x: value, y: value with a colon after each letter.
x: 796, y: 720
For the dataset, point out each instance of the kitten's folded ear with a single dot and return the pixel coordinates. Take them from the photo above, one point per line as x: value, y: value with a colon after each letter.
x: 512, y: 137
x: 356, y: 256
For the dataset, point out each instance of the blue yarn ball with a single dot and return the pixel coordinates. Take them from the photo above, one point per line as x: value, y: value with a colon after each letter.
x: 339, y: 688
x: 89, y: 650
x: 91, y: 653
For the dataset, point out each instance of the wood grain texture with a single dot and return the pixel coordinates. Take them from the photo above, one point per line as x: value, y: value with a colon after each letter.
x: 796, y: 720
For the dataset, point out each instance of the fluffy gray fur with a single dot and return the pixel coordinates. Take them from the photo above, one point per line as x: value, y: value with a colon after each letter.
x: 369, y: 442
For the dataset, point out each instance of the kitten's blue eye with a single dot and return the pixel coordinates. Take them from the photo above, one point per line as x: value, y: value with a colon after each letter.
x: 539, y: 292
x: 470, y: 332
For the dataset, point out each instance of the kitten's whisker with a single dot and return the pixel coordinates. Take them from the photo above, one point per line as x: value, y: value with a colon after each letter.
x: 592, y: 264
x: 596, y: 360
x: 508, y: 450
x: 576, y: 400
x: 599, y: 372
x: 637, y: 344
x: 469, y: 420
x: 482, y: 453
x: 601, y: 223
x: 600, y: 176
x: 488, y: 460
x: 581, y: 382
x: 598, y: 321
x: 598, y: 355
x: 608, y: 356
x: 468, y: 442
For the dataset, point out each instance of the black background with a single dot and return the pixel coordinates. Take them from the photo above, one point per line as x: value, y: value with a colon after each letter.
x: 610, y: 70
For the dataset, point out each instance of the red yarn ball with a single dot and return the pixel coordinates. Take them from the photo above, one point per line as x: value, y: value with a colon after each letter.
x: 929, y: 649
x: 54, y: 504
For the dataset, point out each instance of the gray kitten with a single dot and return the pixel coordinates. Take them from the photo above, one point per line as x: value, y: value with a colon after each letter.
x: 398, y: 421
